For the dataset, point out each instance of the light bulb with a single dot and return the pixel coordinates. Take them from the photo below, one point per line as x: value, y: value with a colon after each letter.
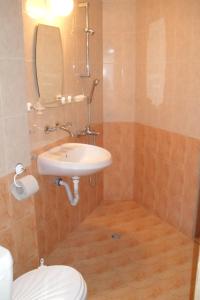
x: 36, y: 8
x: 60, y: 7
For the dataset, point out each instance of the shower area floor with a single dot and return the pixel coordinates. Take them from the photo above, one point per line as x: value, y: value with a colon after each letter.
x: 125, y: 252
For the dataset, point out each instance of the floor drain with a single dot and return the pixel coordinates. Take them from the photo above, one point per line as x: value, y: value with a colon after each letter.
x: 116, y: 236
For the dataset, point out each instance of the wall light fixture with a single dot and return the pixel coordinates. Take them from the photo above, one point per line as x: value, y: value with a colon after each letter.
x: 49, y: 8
x: 61, y: 7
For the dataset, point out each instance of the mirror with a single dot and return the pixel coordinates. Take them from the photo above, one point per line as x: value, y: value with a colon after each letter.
x: 49, y: 64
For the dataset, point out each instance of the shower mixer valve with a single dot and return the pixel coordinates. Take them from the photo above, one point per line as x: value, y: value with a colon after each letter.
x: 87, y: 131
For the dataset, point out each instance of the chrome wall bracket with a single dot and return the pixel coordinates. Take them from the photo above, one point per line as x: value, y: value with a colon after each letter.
x: 88, y: 31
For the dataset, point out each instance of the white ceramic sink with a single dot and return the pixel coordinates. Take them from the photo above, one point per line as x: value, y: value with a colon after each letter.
x: 73, y: 159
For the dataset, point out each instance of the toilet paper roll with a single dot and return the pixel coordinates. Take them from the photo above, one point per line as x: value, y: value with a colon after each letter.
x: 28, y: 187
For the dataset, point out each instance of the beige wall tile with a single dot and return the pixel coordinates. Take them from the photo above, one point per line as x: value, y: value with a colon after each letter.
x: 7, y: 240
x: 166, y: 175
x: 16, y: 142
x: 2, y: 148
x: 12, y: 87
x: 5, y: 214
x: 13, y: 123
x: 181, y: 26
x: 118, y: 60
x: 11, y: 26
x: 18, y: 229
x: 24, y: 234
x: 118, y: 178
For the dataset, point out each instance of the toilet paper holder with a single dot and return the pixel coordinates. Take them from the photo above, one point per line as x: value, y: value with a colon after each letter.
x: 19, y: 169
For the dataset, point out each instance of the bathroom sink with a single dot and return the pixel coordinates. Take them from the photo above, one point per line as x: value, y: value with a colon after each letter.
x: 73, y: 159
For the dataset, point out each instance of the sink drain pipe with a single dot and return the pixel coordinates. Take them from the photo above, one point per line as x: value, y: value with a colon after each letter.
x: 73, y: 198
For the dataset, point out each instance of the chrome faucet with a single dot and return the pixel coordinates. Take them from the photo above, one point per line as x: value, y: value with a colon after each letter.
x: 65, y: 127
x: 87, y: 131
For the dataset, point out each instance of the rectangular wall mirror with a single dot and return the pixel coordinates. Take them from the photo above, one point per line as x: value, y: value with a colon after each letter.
x: 49, y: 64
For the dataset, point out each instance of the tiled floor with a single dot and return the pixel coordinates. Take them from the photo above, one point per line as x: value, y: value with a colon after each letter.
x: 150, y: 260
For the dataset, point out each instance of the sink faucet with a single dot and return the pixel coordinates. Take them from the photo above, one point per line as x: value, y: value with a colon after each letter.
x: 65, y: 127
x: 87, y: 131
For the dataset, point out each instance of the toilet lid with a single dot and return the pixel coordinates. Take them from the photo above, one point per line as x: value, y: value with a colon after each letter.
x: 49, y: 283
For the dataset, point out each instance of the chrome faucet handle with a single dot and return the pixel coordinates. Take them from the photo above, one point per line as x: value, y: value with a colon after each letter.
x: 48, y: 129
x: 87, y: 131
x: 90, y: 131
x: 67, y: 128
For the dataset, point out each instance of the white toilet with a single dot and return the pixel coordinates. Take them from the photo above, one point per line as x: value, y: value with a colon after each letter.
x: 44, y: 283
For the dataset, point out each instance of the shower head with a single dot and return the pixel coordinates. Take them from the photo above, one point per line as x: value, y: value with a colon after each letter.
x: 94, y: 84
